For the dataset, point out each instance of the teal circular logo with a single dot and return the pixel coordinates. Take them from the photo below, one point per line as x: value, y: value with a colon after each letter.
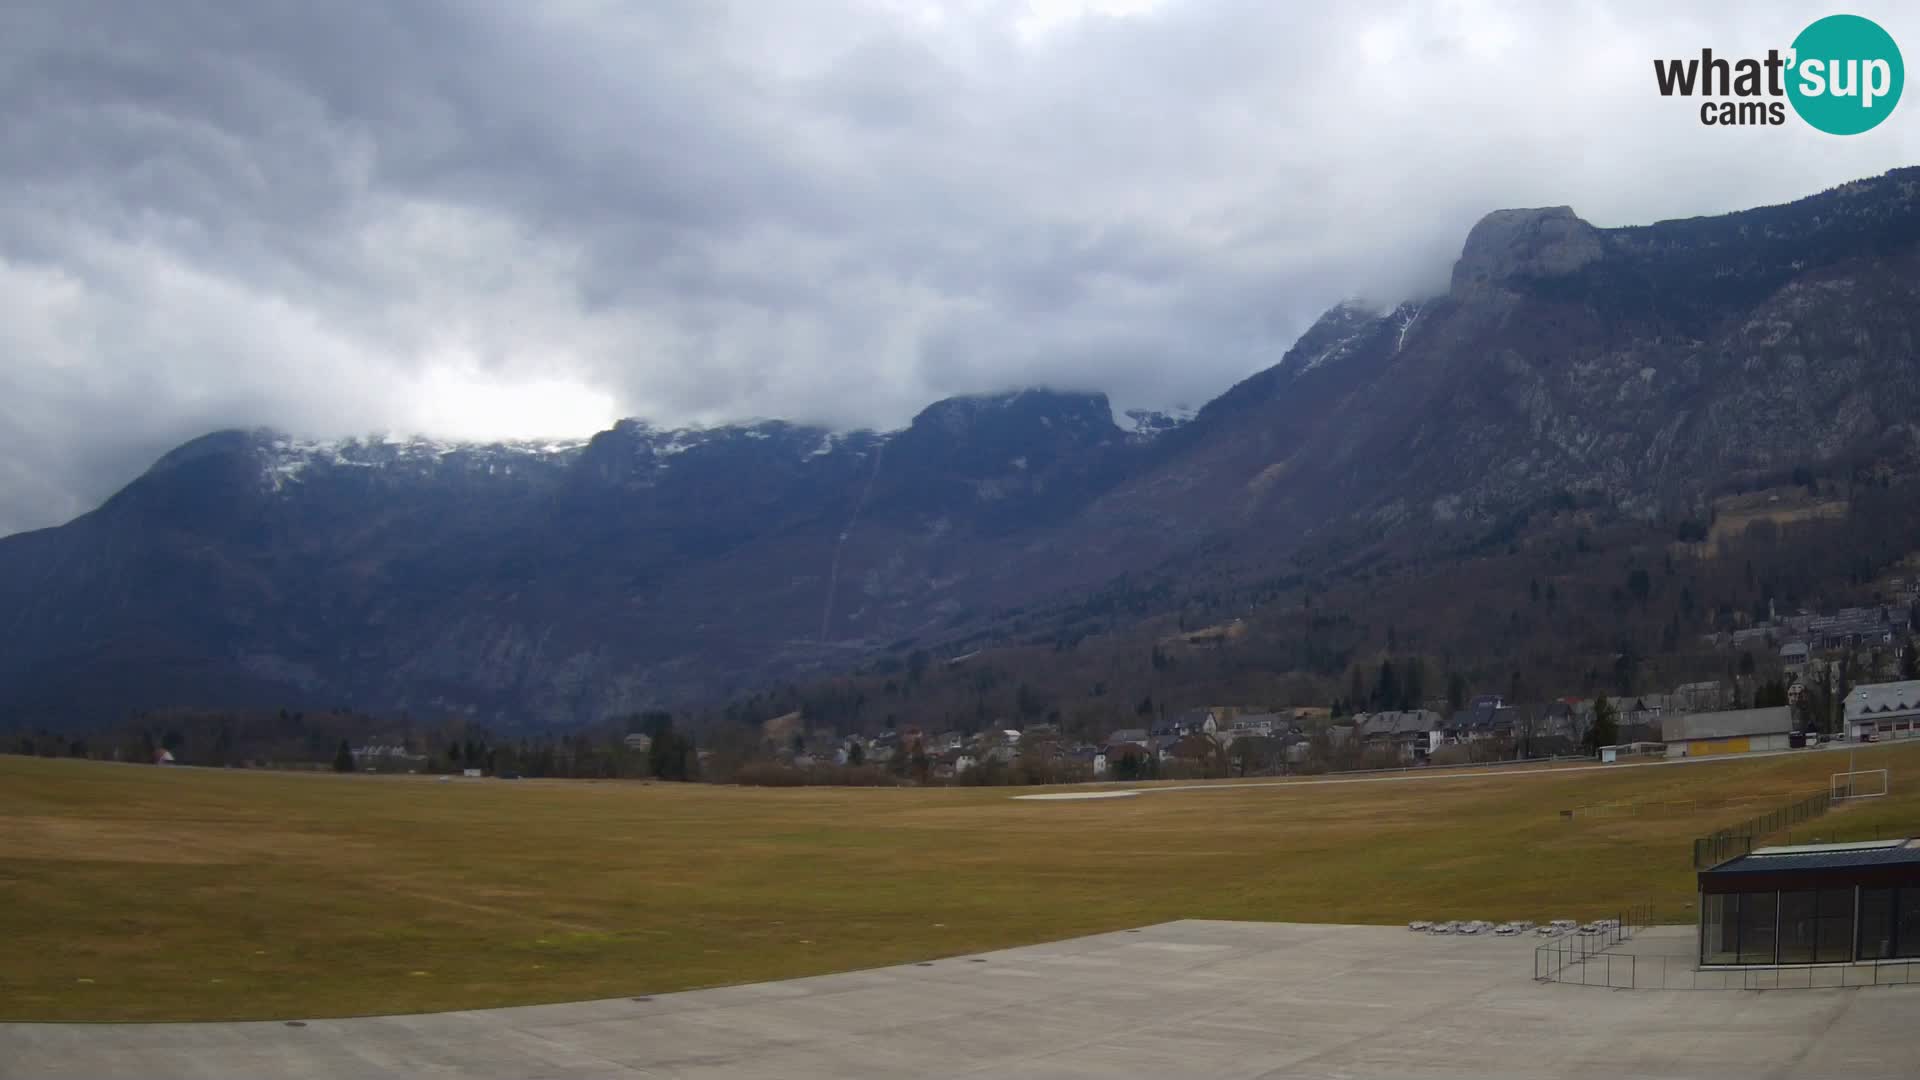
x: 1846, y: 75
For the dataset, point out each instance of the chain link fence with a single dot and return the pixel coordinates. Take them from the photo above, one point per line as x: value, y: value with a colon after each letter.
x: 1737, y: 840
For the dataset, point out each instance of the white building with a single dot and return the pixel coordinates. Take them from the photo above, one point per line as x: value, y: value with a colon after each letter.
x: 1881, y: 711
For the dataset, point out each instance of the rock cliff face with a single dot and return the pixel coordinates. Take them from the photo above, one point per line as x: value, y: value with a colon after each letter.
x: 534, y: 584
x: 1652, y: 364
x: 1510, y: 247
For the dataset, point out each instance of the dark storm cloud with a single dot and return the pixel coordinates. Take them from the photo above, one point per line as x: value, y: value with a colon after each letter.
x: 486, y: 218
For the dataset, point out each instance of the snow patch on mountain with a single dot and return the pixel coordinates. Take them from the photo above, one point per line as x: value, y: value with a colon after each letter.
x: 1339, y: 329
x: 1151, y: 423
x: 286, y: 459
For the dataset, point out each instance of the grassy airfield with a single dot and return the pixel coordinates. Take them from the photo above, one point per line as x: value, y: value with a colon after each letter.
x: 140, y: 893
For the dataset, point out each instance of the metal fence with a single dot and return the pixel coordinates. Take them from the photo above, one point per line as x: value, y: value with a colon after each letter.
x: 1737, y: 840
x: 1605, y: 959
x: 1565, y: 957
x: 1628, y: 971
x: 1574, y: 964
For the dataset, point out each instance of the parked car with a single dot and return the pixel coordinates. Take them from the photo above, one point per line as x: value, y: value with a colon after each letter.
x: 1506, y: 929
x: 1420, y: 925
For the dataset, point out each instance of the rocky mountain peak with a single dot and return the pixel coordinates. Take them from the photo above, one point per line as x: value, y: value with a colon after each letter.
x: 1016, y: 417
x: 1545, y: 242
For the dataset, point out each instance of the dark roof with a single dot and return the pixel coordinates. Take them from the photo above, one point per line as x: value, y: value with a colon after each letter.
x: 1811, y: 857
x: 1485, y: 717
x: 1396, y: 722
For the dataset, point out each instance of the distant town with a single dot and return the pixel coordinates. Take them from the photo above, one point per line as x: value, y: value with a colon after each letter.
x: 1847, y: 676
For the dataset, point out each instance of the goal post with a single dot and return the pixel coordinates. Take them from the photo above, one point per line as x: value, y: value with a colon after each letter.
x: 1858, y: 784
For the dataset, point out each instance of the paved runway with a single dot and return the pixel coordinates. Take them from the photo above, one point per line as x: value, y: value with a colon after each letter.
x: 1192, y: 998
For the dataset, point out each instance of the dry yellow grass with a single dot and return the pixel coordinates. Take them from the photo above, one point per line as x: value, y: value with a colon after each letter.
x: 130, y: 892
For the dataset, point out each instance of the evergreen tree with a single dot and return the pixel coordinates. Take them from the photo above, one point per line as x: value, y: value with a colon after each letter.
x: 1606, y: 725
x: 343, y: 758
x: 1413, y: 683
x: 671, y: 757
x: 1386, y: 686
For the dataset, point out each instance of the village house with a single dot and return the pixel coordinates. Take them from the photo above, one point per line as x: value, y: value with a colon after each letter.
x: 385, y: 752
x: 1091, y: 758
x: 1489, y: 717
x: 1636, y: 721
x: 1882, y: 711
x: 1195, y: 749
x: 1559, y: 728
x: 1793, y: 656
x: 1264, y: 723
x: 1189, y: 722
x: 1708, y: 696
x: 1851, y: 628
x: 1412, y: 733
x: 1127, y: 744
x: 1339, y: 735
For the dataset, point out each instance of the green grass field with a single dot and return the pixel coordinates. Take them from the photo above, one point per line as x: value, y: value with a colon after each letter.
x: 130, y: 892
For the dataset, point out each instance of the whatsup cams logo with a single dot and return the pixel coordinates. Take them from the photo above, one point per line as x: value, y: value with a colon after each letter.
x: 1843, y: 75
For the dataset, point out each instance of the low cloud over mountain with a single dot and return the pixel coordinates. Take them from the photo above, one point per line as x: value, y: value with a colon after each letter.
x: 511, y: 220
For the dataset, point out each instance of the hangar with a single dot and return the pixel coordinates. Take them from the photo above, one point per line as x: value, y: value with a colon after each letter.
x: 1736, y: 731
x: 1812, y: 904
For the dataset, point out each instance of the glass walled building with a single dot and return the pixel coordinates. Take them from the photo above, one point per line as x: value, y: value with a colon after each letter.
x: 1812, y: 904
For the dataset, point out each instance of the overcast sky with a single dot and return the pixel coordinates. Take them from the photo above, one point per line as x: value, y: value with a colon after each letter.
x: 483, y: 220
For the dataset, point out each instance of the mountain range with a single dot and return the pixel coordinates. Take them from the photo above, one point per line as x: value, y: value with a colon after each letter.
x: 529, y: 585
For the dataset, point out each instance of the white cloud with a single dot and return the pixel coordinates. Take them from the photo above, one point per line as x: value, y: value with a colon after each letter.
x: 487, y: 219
